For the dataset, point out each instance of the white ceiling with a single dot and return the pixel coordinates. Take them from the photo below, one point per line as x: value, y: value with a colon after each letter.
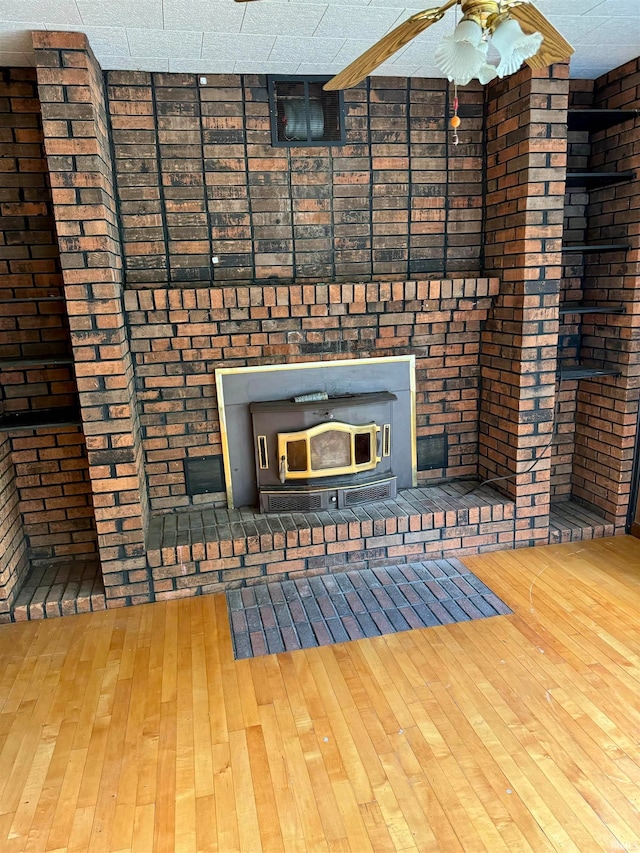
x: 289, y: 36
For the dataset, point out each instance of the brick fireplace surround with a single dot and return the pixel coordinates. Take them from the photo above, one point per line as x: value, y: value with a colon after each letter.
x: 116, y: 190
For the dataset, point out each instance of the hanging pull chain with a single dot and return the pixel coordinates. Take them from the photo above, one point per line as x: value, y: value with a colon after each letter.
x: 455, y: 118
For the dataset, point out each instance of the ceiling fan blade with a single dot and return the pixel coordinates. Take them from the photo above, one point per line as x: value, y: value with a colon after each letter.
x: 554, y: 48
x: 386, y: 47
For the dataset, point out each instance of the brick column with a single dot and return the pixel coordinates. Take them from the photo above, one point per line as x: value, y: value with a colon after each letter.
x: 78, y: 152
x: 526, y: 164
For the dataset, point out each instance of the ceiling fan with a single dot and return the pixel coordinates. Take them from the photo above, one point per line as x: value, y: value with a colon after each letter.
x: 518, y: 31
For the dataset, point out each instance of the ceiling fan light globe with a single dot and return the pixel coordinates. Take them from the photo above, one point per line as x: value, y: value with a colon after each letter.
x: 486, y: 73
x: 514, y: 46
x: 460, y: 61
x: 468, y: 31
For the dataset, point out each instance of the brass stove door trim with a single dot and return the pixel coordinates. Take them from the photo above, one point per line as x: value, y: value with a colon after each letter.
x: 306, y: 435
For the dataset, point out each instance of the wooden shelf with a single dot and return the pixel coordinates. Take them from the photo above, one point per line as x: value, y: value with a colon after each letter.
x: 585, y: 371
x: 581, y: 308
x: 593, y: 120
x: 593, y: 180
x: 591, y: 248
x: 33, y: 361
x: 64, y: 416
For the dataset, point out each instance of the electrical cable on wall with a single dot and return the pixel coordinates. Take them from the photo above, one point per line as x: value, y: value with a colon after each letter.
x: 534, y: 463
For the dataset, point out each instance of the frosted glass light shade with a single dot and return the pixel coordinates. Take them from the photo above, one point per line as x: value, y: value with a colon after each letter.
x: 513, y: 46
x: 468, y: 31
x: 461, y: 60
x: 458, y: 60
x: 486, y: 73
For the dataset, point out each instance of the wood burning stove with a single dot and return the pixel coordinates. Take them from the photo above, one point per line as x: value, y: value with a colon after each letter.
x: 352, y: 442
x: 320, y: 452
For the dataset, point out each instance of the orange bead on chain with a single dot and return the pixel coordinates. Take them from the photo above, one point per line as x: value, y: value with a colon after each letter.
x: 455, y: 122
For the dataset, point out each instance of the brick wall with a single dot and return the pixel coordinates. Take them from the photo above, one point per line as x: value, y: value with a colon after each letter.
x: 526, y: 150
x: 606, y: 410
x: 180, y: 336
x: 29, y: 264
x: 45, y: 492
x: 197, y: 176
x: 190, y: 172
x: 77, y: 146
x: 27, y: 234
x: 52, y: 481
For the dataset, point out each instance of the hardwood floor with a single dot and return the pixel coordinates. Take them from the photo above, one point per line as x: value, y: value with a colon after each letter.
x: 135, y: 730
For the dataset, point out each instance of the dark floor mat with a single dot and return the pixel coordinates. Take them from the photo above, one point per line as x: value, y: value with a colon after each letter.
x: 316, y: 611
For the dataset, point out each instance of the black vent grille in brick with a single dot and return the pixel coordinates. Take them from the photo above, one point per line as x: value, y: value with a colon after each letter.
x: 293, y: 503
x: 204, y: 475
x: 302, y: 113
x: 433, y: 452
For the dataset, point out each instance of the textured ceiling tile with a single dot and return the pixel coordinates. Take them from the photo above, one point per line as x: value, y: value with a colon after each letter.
x: 134, y: 63
x: 47, y: 11
x: 590, y: 70
x: 289, y: 49
x: 236, y: 46
x: 575, y: 27
x: 164, y: 43
x: 428, y: 71
x: 146, y: 14
x: 282, y: 18
x: 352, y: 49
x: 223, y: 16
x: 326, y: 69
x: 358, y: 22
x: 243, y: 67
x: 605, y: 33
x: 341, y: 2
x: 418, y: 51
x: 389, y: 70
x: 200, y: 66
x: 608, y: 33
x: 567, y: 7
x: 608, y: 8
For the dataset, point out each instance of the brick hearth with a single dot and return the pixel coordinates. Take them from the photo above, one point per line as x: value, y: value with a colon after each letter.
x: 60, y: 589
x: 207, y: 550
x: 572, y: 522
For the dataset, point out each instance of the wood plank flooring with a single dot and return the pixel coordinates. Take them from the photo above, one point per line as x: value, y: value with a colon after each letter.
x: 135, y: 730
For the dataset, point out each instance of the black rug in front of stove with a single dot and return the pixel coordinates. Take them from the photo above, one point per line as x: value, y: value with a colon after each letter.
x: 333, y: 608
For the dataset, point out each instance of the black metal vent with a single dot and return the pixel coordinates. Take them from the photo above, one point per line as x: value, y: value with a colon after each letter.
x: 302, y: 113
x: 367, y: 494
x: 433, y: 452
x: 204, y: 475
x: 294, y: 502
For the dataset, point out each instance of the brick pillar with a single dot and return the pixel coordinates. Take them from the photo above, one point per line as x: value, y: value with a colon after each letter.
x: 13, y: 545
x: 526, y: 164
x: 607, y: 410
x: 78, y: 152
